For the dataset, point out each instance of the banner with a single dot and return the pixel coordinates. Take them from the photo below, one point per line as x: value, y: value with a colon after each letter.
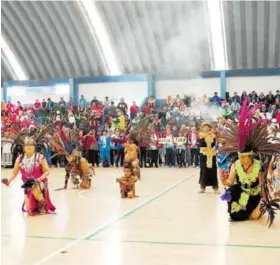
x: 176, y: 140
x: 180, y: 140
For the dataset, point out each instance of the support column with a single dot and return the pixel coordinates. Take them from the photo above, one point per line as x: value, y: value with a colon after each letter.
x: 5, y: 92
x: 151, y: 86
x: 74, y: 90
x: 223, y: 84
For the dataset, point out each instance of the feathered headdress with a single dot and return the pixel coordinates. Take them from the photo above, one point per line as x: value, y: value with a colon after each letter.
x: 141, y: 131
x: 249, y: 135
x: 64, y: 141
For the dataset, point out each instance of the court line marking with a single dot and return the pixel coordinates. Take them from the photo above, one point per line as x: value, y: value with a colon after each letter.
x: 158, y: 242
x: 91, y: 234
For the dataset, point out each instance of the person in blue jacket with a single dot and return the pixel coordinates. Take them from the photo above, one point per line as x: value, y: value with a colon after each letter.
x: 105, y: 147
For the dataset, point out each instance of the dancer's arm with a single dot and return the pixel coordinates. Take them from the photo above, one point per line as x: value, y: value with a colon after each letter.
x: 14, y: 172
x: 231, y: 178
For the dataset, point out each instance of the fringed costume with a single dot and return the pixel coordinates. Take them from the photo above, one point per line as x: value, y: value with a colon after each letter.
x: 248, y: 195
x: 64, y: 141
x: 127, y: 182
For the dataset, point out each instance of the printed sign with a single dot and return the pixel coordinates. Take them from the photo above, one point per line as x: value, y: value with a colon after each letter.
x: 164, y: 141
x: 180, y: 140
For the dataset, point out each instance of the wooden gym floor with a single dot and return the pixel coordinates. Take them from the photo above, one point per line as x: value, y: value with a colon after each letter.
x: 168, y: 224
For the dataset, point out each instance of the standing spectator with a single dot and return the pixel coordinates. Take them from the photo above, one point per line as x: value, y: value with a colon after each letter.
x: 92, y: 148
x: 235, y: 96
x: 94, y: 101
x: 37, y: 105
x: 123, y: 106
x: 70, y: 104
x: 133, y: 110
x: 194, y: 147
x: 146, y: 109
x: 243, y: 96
x: 152, y: 102
x: 82, y: 102
x: 262, y: 98
x: 254, y: 96
x: 277, y: 103
x: 3, y: 106
x: 106, y: 102
x: 216, y: 98
x: 277, y: 96
x: 9, y: 107
x: 44, y: 104
x: 270, y: 98
x: 50, y: 105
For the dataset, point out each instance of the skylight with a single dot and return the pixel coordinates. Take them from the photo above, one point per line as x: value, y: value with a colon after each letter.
x: 18, y: 72
x: 100, y: 35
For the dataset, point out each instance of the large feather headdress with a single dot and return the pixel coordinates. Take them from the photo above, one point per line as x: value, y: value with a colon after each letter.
x: 64, y: 141
x: 142, y: 130
x: 249, y: 134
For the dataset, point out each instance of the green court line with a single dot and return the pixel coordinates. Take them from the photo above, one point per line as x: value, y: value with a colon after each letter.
x: 199, y: 244
x: 159, y: 242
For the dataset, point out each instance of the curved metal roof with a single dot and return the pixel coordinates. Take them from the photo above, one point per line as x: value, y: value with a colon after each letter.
x: 252, y: 34
x: 52, y: 40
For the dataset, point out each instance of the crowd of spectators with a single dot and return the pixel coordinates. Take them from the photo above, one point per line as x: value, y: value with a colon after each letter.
x: 95, y: 118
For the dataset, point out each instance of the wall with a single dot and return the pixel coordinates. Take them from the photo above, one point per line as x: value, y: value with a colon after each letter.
x: 131, y: 91
x: 28, y: 95
x: 197, y: 87
x: 248, y: 84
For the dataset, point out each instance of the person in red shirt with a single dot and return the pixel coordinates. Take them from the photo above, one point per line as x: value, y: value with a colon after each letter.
x: 133, y: 110
x: 146, y: 109
x: 9, y: 107
x: 37, y: 105
x: 278, y: 116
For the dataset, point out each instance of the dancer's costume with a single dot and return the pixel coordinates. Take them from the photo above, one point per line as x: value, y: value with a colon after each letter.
x: 208, y: 164
x: 34, y: 172
x: 274, y: 177
x: 127, y: 186
x: 140, y: 132
x: 251, y: 190
x: 64, y: 141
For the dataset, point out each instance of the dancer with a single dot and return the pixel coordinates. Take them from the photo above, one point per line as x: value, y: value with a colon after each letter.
x: 64, y: 141
x: 141, y: 132
x: 127, y: 182
x: 274, y: 176
x: 247, y: 181
x: 35, y: 171
x: 208, y: 167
